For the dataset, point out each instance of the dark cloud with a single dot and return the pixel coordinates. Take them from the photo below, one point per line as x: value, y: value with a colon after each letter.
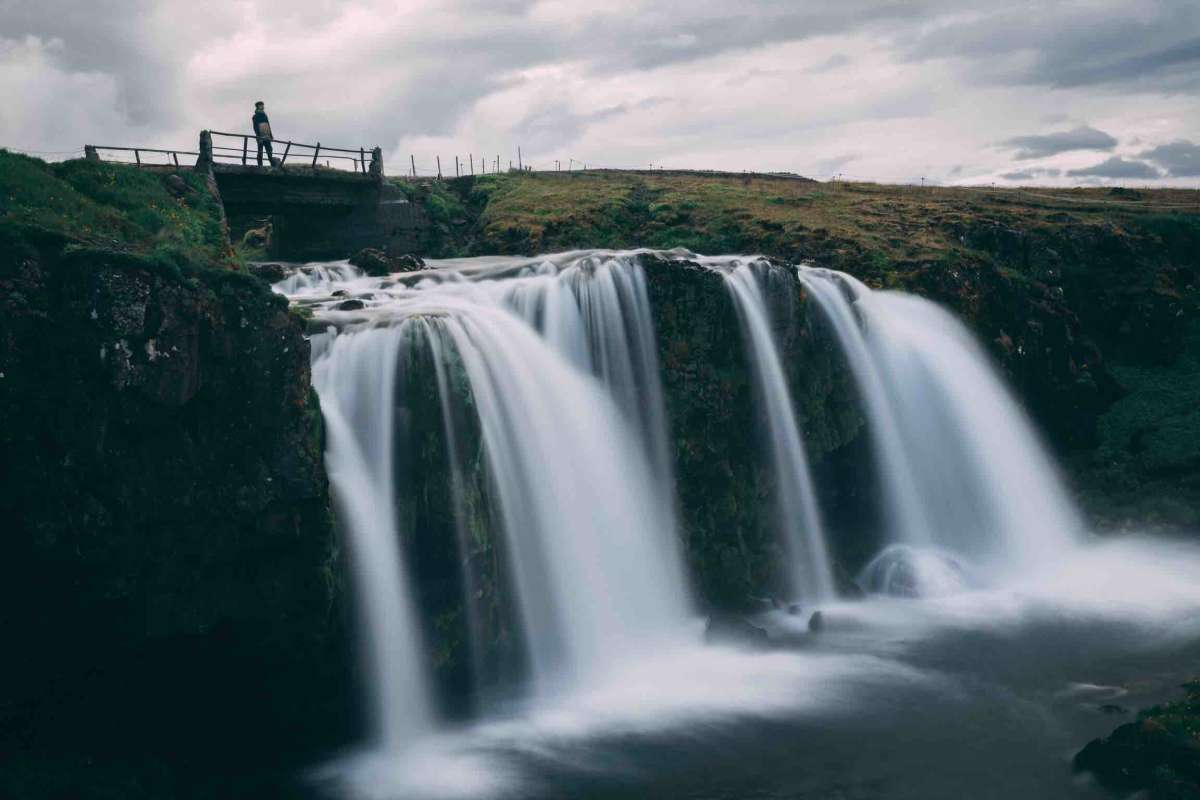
x: 1153, y: 45
x: 1117, y: 167
x: 1031, y: 174
x: 1051, y: 144
x: 1181, y: 159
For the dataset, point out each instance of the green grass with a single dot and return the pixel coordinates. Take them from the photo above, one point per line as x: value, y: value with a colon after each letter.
x: 712, y: 213
x: 111, y: 207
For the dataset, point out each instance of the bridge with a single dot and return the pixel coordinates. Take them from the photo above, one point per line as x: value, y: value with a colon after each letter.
x: 319, y: 202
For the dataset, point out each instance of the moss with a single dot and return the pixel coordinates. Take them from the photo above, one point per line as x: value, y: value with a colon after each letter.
x: 115, y: 206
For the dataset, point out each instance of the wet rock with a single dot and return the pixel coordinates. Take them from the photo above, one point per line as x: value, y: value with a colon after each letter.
x: 736, y: 631
x: 371, y: 261
x: 816, y: 623
x: 1160, y: 752
x: 269, y: 272
x: 378, y: 263
x: 794, y: 609
x: 350, y: 305
x: 340, y: 293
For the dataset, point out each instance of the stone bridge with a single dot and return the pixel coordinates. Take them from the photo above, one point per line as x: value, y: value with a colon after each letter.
x: 314, y: 211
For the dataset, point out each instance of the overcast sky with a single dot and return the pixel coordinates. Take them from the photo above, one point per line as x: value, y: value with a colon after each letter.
x: 958, y: 92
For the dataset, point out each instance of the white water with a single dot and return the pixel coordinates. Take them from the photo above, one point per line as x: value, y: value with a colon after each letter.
x: 355, y: 378
x: 797, y: 515
x: 961, y: 467
x: 603, y: 598
x: 560, y: 361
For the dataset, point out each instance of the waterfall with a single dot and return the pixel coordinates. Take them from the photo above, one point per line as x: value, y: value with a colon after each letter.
x: 560, y: 360
x: 355, y: 375
x: 961, y: 467
x: 590, y: 546
x: 797, y: 514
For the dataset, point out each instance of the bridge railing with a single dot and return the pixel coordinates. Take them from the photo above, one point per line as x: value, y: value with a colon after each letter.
x: 243, y: 149
x: 141, y: 156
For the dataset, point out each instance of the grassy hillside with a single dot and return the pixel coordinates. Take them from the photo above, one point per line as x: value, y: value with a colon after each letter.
x: 168, y: 219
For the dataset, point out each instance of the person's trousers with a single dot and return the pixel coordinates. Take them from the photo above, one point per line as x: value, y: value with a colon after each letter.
x: 265, y: 144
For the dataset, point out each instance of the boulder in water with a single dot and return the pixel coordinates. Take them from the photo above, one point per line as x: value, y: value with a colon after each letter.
x: 378, y: 263
x: 350, y: 305
x: 816, y: 623
x: 903, y: 571
x: 737, y: 631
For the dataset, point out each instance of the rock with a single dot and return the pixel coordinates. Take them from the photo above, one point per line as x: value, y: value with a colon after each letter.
x: 378, y: 263
x: 794, y: 609
x: 177, y: 185
x: 270, y: 272
x: 816, y: 623
x: 1160, y: 752
x: 166, y: 512
x: 257, y: 237
x: 350, y: 305
x: 736, y: 631
x: 408, y: 263
x: 371, y: 261
x: 339, y: 293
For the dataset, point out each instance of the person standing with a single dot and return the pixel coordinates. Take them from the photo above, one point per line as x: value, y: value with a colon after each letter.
x: 262, y: 132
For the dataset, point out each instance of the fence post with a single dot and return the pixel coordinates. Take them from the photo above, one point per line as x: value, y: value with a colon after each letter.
x: 175, y: 158
x: 362, y: 160
x: 413, y: 161
x: 137, y: 156
x: 497, y: 165
x: 439, y: 165
x: 89, y: 152
x: 472, y: 157
x: 286, y: 150
x: 205, y: 159
x: 316, y: 153
x: 377, y: 163
x: 457, y: 173
x: 245, y: 147
x: 520, y: 164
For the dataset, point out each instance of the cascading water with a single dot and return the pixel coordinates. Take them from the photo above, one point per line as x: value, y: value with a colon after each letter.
x: 797, y: 513
x: 354, y: 375
x: 961, y: 467
x: 560, y: 362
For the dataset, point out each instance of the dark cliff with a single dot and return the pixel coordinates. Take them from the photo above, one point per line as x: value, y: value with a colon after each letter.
x: 170, y: 591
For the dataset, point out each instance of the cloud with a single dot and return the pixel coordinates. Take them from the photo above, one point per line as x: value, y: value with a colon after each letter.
x: 1051, y: 144
x: 1181, y: 159
x: 1031, y: 174
x: 1117, y: 167
x: 911, y: 88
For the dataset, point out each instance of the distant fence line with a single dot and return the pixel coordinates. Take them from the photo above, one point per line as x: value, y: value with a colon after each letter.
x: 363, y: 160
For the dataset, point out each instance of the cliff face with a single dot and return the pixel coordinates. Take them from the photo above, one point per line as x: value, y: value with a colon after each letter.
x: 170, y: 594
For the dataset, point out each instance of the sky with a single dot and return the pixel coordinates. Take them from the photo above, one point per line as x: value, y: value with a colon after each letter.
x: 968, y: 92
